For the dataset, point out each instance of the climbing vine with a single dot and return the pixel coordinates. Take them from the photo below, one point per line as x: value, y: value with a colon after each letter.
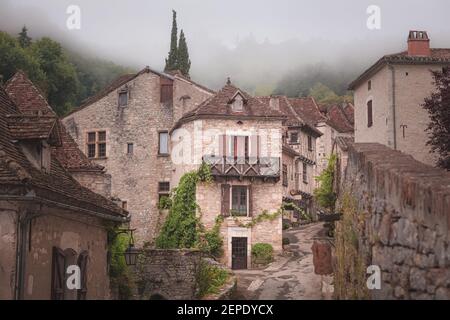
x: 180, y: 229
x: 324, y: 194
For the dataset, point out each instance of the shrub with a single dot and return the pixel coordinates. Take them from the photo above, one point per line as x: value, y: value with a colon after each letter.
x: 262, y: 252
x: 286, y: 225
x: 209, y: 279
x: 325, y: 195
x: 286, y: 241
x: 164, y: 203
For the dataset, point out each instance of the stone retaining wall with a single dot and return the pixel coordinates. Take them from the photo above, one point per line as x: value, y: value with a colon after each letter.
x: 396, y: 216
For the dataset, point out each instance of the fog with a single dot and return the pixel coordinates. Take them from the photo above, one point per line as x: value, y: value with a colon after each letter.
x: 255, y: 42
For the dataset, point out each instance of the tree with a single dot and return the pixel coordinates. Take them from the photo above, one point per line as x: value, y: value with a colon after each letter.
x: 183, y: 61
x: 171, y: 61
x: 24, y: 39
x: 324, y: 194
x: 324, y: 95
x: 62, y: 79
x: 438, y: 107
x: 14, y: 58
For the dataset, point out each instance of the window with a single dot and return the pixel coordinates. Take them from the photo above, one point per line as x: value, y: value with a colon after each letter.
x: 310, y: 144
x: 238, y: 146
x: 96, y: 144
x: 238, y: 103
x: 239, y: 200
x: 305, y: 172
x: 123, y: 98
x: 163, y: 143
x: 130, y: 147
x: 164, y: 187
x: 285, y: 175
x: 369, y: 114
x: 369, y: 85
x: 294, y: 137
x: 166, y: 94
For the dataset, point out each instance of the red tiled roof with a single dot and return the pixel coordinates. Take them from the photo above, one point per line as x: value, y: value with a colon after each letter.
x: 220, y: 106
x: 24, y: 127
x: 58, y: 185
x: 338, y: 119
x: 26, y: 96
x: 308, y: 109
x: 438, y: 56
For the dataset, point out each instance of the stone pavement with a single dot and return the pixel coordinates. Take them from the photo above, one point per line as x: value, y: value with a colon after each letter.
x: 287, y: 278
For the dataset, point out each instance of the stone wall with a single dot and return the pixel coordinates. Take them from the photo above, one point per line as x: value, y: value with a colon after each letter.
x: 99, y: 182
x: 396, y: 216
x: 167, y: 274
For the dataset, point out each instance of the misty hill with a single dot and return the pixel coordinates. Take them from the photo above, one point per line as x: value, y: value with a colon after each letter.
x: 66, y: 77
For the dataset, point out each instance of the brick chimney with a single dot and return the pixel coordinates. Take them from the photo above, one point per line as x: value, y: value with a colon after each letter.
x: 418, y: 44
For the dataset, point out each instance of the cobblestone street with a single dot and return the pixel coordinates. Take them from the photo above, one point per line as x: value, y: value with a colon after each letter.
x: 288, y: 278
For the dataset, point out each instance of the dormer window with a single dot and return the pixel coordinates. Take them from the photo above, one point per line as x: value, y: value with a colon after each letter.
x: 123, y: 98
x: 238, y: 103
x: 38, y: 153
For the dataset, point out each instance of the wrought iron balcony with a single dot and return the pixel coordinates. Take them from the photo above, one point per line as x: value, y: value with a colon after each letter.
x: 252, y: 167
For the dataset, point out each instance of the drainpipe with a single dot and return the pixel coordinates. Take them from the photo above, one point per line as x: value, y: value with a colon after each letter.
x: 391, y: 67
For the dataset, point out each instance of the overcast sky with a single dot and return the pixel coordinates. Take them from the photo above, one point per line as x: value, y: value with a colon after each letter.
x: 246, y: 39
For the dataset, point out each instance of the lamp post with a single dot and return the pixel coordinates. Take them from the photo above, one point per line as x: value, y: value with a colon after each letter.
x: 131, y: 253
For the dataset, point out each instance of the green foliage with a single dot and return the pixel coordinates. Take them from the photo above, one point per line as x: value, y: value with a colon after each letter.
x: 264, y: 216
x: 286, y: 225
x: 171, y: 61
x: 262, y: 252
x: 324, y: 194
x: 118, y: 270
x: 286, y: 241
x: 183, y: 61
x: 300, y: 211
x: 24, y: 39
x: 62, y: 80
x: 14, y: 58
x: 324, y: 95
x: 180, y: 229
x: 65, y: 78
x: 211, y: 241
x: 210, y: 279
x: 165, y: 203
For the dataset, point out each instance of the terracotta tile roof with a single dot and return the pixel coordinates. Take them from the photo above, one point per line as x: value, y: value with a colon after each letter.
x: 25, y: 127
x: 308, y: 109
x: 438, y: 56
x: 56, y: 186
x: 344, y: 142
x: 26, y: 96
x: 299, y: 112
x: 220, y: 106
x: 340, y: 120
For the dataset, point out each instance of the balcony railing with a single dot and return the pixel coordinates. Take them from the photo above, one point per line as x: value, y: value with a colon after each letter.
x: 264, y: 167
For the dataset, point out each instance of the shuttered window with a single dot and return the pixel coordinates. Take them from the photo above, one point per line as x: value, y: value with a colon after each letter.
x: 285, y: 175
x: 225, y: 200
x: 369, y: 114
x: 58, y: 274
x: 305, y: 173
x: 82, y: 264
x: 239, y: 201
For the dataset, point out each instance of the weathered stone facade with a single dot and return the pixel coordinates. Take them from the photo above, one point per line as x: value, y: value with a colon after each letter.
x: 136, y: 176
x: 396, y: 217
x: 167, y: 274
x: 396, y: 86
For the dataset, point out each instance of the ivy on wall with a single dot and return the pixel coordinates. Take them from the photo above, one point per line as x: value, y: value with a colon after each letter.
x: 324, y: 194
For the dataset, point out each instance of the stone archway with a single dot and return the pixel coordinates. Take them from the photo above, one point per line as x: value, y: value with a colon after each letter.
x: 157, y: 296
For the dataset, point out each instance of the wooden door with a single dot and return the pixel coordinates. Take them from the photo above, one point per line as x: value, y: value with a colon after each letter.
x: 239, y: 253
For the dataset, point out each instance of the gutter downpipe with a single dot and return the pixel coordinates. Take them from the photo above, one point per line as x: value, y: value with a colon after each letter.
x: 394, y: 124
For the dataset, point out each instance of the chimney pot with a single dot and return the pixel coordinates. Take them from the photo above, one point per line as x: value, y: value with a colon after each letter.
x: 418, y: 44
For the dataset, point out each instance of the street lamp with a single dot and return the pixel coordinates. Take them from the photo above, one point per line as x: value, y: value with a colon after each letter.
x: 131, y: 253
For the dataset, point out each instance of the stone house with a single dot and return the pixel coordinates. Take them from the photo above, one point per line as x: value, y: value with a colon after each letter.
x: 125, y: 129
x: 48, y: 220
x: 388, y: 98
x: 240, y: 137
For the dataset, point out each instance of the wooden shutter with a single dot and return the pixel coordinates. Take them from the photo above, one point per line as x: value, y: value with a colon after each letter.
x: 58, y: 274
x: 222, y: 145
x: 369, y: 114
x: 250, y: 201
x: 226, y: 200
x: 82, y: 264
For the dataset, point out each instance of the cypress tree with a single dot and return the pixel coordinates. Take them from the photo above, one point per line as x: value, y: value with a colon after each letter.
x: 24, y: 39
x: 183, y: 63
x: 171, y: 61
